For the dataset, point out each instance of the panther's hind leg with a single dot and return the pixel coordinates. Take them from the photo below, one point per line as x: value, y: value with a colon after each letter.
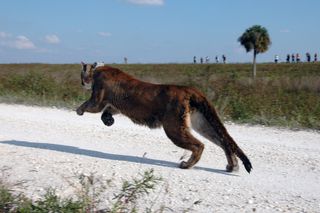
x: 179, y: 133
x: 200, y: 124
x: 232, y: 162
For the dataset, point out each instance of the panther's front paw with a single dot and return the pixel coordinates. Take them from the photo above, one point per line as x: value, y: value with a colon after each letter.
x: 107, y: 120
x: 80, y: 111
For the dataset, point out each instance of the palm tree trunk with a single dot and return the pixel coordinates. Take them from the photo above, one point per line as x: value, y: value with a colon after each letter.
x: 254, y: 68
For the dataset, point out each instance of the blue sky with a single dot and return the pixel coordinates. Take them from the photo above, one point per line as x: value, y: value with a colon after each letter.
x: 151, y: 31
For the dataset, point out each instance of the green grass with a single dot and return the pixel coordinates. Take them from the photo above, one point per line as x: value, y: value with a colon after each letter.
x: 282, y: 95
x: 86, y: 200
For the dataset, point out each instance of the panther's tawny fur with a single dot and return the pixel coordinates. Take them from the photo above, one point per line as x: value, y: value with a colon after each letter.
x: 176, y: 108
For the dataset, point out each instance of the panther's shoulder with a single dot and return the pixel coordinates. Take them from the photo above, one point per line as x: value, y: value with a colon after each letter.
x: 111, y: 73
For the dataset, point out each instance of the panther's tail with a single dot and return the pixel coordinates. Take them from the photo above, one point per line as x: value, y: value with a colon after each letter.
x: 201, y: 104
x: 245, y: 160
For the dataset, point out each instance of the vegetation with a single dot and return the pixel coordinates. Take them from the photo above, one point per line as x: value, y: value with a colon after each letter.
x: 255, y: 38
x: 125, y: 201
x: 282, y: 94
x: 131, y: 192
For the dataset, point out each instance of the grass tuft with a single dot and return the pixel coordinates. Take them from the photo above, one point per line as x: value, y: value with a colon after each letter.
x: 87, y: 200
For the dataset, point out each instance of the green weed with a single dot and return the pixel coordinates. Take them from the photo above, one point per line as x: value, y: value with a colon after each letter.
x: 86, y: 200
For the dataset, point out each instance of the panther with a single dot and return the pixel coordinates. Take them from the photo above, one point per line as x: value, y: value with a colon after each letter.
x: 177, y: 109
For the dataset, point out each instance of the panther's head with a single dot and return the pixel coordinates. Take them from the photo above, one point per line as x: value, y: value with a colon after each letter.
x: 87, y: 74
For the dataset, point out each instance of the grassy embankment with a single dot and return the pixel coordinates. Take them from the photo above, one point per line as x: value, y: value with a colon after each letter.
x: 282, y: 95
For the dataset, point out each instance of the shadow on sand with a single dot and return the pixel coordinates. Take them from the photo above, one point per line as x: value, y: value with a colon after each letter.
x: 103, y: 155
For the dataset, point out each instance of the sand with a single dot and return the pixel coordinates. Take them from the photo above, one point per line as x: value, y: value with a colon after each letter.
x: 48, y: 147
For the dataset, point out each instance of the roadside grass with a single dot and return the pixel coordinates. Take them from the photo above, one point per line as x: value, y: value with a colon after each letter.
x: 87, y: 199
x: 282, y: 95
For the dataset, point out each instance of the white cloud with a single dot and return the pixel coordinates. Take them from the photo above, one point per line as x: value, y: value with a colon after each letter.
x: 104, y: 34
x: 147, y: 2
x: 22, y: 42
x: 4, y: 39
x: 52, y: 39
x: 4, y: 35
x: 285, y: 31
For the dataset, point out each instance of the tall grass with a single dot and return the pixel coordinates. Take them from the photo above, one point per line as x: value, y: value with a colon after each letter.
x: 41, y: 87
x: 283, y: 94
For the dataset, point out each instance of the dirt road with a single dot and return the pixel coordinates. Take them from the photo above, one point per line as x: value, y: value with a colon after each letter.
x: 47, y: 147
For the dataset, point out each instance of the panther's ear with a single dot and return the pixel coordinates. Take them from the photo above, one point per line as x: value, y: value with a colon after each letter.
x: 94, y: 65
x: 84, y: 66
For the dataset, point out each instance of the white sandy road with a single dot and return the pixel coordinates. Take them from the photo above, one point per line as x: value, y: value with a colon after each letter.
x: 47, y: 147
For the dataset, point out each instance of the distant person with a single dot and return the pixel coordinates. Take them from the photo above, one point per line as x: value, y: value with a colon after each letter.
x: 308, y: 57
x: 276, y: 59
x: 293, y: 58
x: 194, y: 59
x: 207, y: 60
x: 288, y: 58
x: 315, y: 57
x: 224, y: 59
x: 125, y: 60
x: 297, y: 57
x: 201, y: 60
x: 217, y: 59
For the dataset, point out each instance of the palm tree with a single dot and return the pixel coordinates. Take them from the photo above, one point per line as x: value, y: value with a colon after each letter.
x: 255, y: 38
